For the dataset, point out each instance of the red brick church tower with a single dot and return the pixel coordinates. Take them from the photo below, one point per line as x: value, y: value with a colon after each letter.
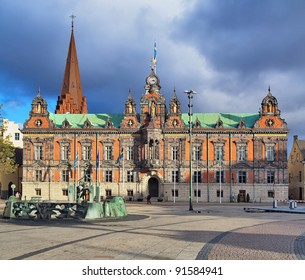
x: 71, y: 99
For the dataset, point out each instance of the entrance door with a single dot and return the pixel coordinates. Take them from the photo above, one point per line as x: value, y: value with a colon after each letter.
x: 242, y: 196
x: 153, y: 187
x: 301, y: 193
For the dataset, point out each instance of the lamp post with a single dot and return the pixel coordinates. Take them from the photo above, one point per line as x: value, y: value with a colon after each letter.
x: 190, y: 94
x: 220, y: 179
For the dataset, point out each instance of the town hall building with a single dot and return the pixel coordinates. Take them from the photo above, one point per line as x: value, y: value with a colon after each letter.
x: 235, y: 157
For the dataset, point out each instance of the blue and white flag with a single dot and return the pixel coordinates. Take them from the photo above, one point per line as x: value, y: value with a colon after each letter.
x: 155, y: 53
x: 76, y: 160
x: 98, y: 159
x: 121, y: 155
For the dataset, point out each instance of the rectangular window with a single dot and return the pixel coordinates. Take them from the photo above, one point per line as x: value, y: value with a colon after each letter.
x: 271, y: 194
x: 108, y: 192
x: 38, y: 152
x: 129, y: 192
x: 300, y: 176
x: 218, y: 193
x: 38, y: 175
x: 175, y: 193
x: 108, y: 154
x: 197, y: 177
x: 108, y: 176
x: 270, y: 177
x: 218, y: 174
x: 241, y: 153
x: 17, y: 136
x: 130, y: 176
x: 64, y: 155
x: 270, y: 153
x: 65, y: 175
x: 175, y: 154
x: 242, y: 177
x: 197, y: 194
x: 218, y: 153
x: 129, y: 153
x: 65, y: 192
x: 38, y: 191
x: 175, y: 176
x: 87, y: 153
x: 197, y: 153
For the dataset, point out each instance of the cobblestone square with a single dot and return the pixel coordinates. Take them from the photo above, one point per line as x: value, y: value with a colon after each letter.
x: 160, y: 231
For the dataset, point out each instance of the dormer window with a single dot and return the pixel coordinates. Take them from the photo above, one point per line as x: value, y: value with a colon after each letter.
x: 87, y: 124
x: 66, y: 124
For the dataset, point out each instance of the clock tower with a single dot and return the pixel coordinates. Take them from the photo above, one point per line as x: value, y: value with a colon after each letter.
x: 153, y: 108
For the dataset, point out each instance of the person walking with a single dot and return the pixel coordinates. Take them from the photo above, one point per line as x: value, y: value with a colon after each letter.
x: 148, y: 199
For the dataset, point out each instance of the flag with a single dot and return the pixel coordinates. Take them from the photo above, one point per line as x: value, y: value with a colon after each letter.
x: 76, y: 160
x: 155, y: 53
x: 98, y: 159
x: 120, y: 156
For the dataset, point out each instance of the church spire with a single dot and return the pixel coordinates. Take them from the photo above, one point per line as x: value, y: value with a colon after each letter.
x: 71, y: 99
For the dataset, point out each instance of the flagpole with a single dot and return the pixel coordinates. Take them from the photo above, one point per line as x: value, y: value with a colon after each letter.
x: 98, y: 174
x: 97, y: 187
x: 74, y: 167
x: 121, y: 155
x: 78, y: 160
x: 175, y: 179
x: 123, y: 171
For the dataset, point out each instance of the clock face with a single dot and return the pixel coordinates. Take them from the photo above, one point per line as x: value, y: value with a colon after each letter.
x: 38, y: 122
x: 175, y: 122
x: 269, y: 122
x: 152, y: 80
x: 130, y: 123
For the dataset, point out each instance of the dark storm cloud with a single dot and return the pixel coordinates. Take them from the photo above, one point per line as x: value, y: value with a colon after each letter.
x: 229, y: 51
x: 247, y: 36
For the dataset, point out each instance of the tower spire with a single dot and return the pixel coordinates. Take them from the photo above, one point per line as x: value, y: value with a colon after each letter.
x: 71, y: 99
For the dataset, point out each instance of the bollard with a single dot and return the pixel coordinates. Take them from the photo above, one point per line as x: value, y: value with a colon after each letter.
x: 291, y: 204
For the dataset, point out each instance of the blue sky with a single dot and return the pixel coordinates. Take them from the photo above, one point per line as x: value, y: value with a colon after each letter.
x: 228, y: 51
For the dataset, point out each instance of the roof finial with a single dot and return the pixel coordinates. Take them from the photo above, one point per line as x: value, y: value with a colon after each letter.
x: 130, y: 92
x: 73, y: 17
x: 269, y: 91
x: 38, y: 93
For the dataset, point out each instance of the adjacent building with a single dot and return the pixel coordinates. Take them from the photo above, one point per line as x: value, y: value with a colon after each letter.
x: 296, y: 169
x: 235, y: 157
x: 13, y: 133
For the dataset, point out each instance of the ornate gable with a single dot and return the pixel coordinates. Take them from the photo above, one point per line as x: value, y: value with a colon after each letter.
x: 39, y: 114
x: 174, y: 119
x: 130, y: 114
x: 270, y: 114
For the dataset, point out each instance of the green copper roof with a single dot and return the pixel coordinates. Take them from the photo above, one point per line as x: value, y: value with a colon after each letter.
x: 78, y: 120
x: 209, y: 120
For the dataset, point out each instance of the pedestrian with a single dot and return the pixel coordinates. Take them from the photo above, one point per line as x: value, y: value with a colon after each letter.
x: 18, y: 195
x: 148, y: 199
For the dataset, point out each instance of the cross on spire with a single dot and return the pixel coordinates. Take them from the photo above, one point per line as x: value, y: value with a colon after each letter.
x: 72, y: 17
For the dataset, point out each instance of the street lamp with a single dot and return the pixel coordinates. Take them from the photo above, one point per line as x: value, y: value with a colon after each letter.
x: 220, y: 179
x: 190, y: 94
